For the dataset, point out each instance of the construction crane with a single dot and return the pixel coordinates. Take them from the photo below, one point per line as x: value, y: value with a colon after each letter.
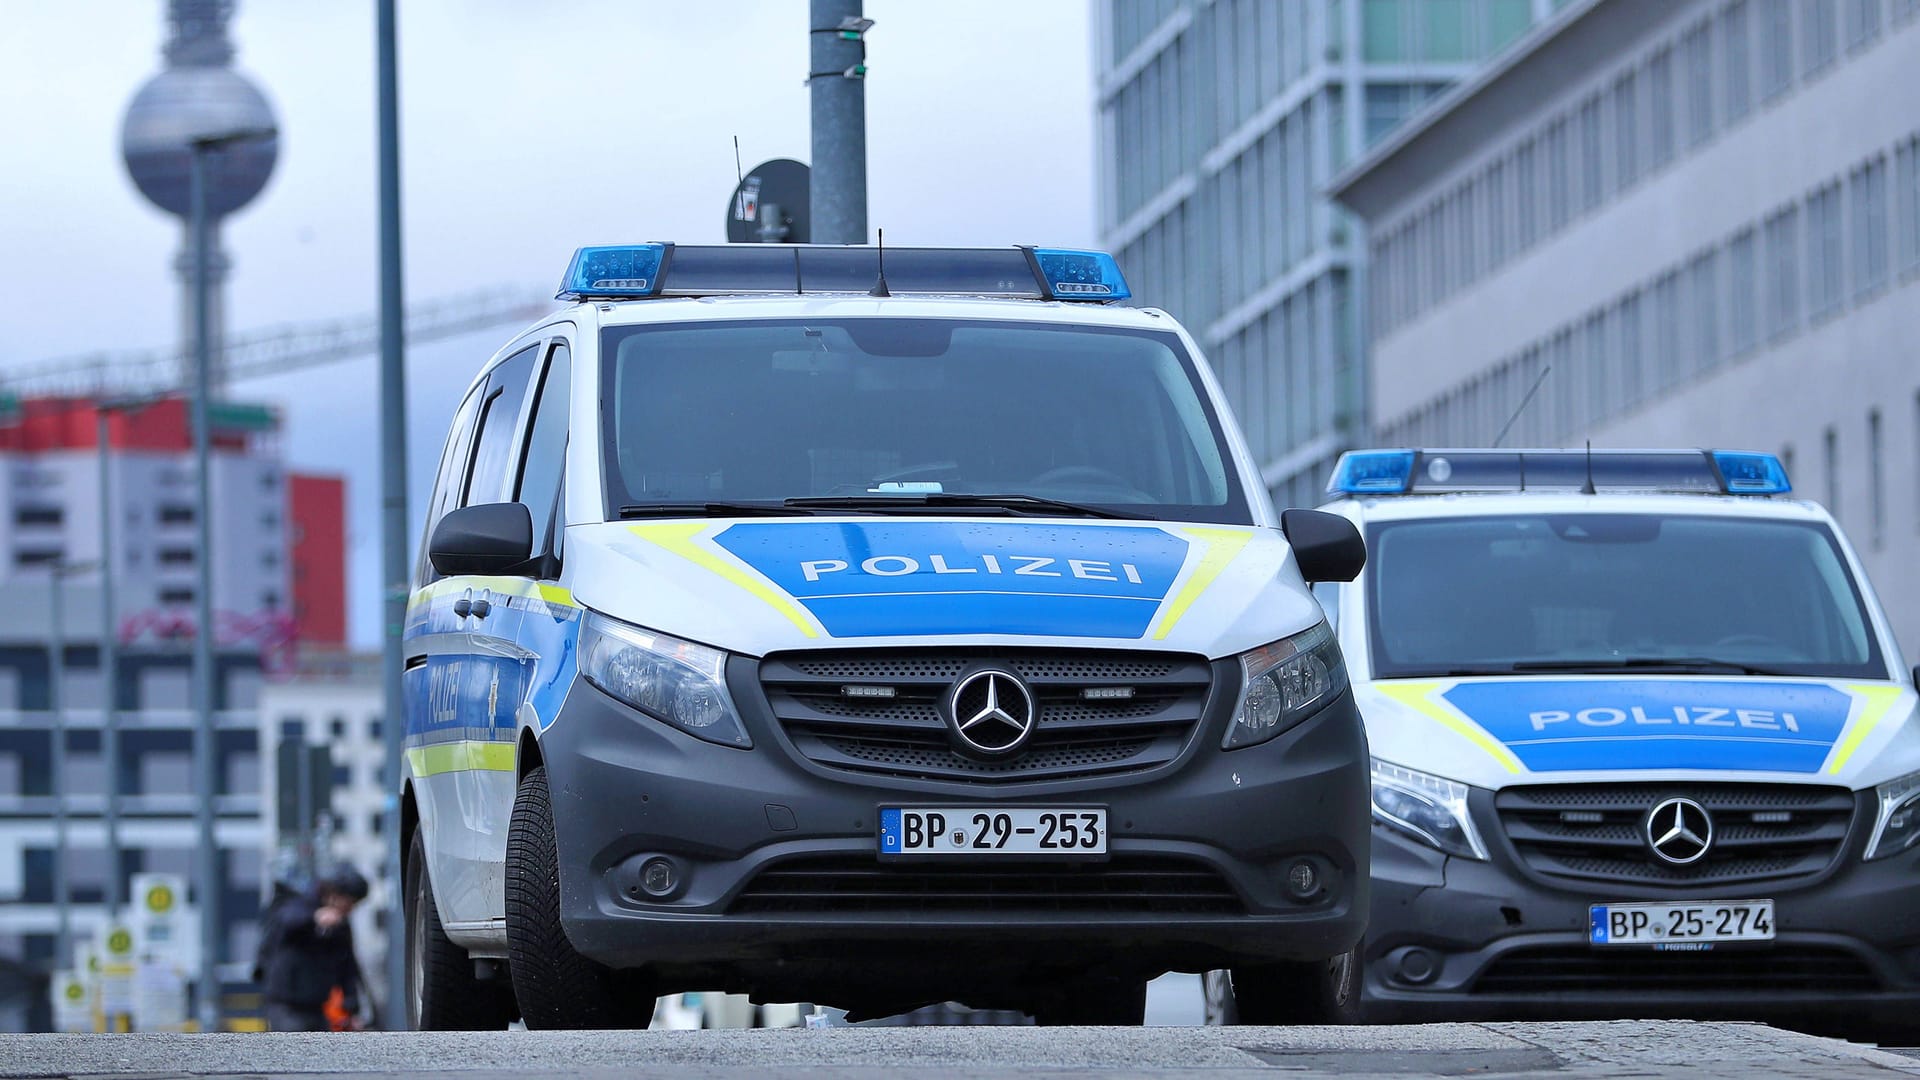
x: 275, y: 350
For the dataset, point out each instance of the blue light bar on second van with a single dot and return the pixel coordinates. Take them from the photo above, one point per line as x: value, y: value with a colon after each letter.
x: 1416, y: 472
x: 638, y: 271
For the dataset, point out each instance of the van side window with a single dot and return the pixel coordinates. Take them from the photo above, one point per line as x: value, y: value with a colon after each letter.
x: 546, y: 450
x: 452, y: 475
x: 499, y: 423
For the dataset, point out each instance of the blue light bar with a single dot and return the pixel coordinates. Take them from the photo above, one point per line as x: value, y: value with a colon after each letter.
x: 1372, y: 472
x: 1080, y: 275
x: 614, y: 271
x: 1747, y: 473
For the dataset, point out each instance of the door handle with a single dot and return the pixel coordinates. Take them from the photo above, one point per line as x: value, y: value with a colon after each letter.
x: 483, y: 604
x: 464, y: 606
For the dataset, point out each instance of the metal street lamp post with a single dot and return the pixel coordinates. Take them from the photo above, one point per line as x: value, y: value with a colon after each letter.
x: 109, y: 669
x: 57, y: 705
x: 205, y: 782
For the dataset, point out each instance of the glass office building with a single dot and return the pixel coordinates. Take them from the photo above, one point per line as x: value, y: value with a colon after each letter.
x: 1219, y: 123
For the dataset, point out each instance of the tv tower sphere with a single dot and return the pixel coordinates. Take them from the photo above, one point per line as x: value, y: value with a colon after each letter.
x: 184, y: 103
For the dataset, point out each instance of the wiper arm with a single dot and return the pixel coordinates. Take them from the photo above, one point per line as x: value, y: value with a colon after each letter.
x: 1695, y: 664
x: 708, y: 509
x: 1019, y: 504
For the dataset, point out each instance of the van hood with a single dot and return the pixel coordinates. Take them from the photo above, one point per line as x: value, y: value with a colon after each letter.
x: 1497, y: 732
x: 761, y: 585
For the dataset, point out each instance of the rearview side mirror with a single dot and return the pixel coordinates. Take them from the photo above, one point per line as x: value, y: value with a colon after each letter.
x: 491, y: 538
x: 1326, y: 547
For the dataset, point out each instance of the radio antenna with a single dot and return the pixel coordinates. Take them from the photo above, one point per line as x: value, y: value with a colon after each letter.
x: 880, y: 283
x: 739, y: 174
x: 1531, y: 390
x: 1588, y: 488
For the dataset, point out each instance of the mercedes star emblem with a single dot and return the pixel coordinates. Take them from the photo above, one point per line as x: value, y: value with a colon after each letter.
x: 992, y: 712
x: 1679, y: 830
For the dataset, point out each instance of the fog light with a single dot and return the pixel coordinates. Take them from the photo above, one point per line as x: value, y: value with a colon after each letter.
x: 1418, y: 966
x: 1303, y: 880
x: 659, y: 877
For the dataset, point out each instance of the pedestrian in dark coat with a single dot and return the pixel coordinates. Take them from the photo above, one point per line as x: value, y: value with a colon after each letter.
x: 307, y: 954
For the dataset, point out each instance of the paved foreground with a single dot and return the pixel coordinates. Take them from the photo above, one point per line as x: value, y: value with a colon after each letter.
x: 1558, y: 1051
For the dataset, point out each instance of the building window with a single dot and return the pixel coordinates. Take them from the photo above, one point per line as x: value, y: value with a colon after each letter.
x: 1819, y: 39
x: 1735, y: 42
x: 1626, y: 130
x: 1667, y: 364
x: 37, y: 515
x: 176, y: 515
x: 43, y: 557
x: 1825, y: 287
x: 1559, y: 176
x: 1599, y: 381
x: 1592, y: 155
x: 1867, y: 191
x: 1496, y: 213
x: 1776, y: 47
x: 1526, y: 192
x: 1696, y: 49
x: 1832, y: 463
x: 1632, y: 352
x: 1907, y: 202
x: 1783, y: 272
x: 176, y: 556
x: 176, y: 596
x: 1703, y: 288
x: 1662, y: 106
x: 1876, y: 477
x: 1863, y: 22
x: 1743, y: 285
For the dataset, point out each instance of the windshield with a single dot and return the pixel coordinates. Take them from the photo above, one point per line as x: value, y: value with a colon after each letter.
x: 1611, y: 592
x: 879, y: 411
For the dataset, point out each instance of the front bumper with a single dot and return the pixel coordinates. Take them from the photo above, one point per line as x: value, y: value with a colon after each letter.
x: 627, y: 788
x: 1464, y: 939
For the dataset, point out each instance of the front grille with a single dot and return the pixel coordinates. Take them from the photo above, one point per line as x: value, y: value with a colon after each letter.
x: 906, y: 735
x: 1598, y: 831
x: 1124, y: 885
x: 1574, y: 970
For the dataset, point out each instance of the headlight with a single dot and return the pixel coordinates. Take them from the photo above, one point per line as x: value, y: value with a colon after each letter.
x: 1426, y: 808
x: 668, y: 679
x: 1899, y: 822
x: 1284, y: 683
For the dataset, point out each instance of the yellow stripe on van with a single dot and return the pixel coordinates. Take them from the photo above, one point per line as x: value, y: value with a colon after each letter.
x: 464, y: 756
x: 1218, y: 547
x: 1879, y: 698
x: 1419, y: 695
x: 677, y: 537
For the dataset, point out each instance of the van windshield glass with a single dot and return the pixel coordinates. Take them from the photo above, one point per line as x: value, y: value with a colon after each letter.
x: 1606, y: 593
x: 894, y: 412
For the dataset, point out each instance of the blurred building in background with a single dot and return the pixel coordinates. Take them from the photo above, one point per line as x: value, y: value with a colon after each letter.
x: 1220, y: 121
x: 1700, y: 220
x: 277, y: 590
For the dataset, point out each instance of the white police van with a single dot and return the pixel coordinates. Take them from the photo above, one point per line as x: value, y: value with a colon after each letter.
x: 800, y: 625
x: 1643, y: 743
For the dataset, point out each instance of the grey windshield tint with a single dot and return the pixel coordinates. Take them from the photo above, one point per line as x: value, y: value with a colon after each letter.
x: 765, y: 411
x: 1552, y: 592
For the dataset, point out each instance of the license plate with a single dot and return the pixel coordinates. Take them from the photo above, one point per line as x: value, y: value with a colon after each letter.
x: 1010, y: 830
x: 1681, y: 924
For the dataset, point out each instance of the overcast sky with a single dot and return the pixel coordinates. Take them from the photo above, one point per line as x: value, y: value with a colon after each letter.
x: 528, y: 127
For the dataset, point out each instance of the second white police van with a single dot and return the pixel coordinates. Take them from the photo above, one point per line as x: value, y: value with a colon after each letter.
x: 872, y: 634
x: 1643, y: 743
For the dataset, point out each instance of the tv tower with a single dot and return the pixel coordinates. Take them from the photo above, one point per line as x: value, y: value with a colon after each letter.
x: 196, y: 96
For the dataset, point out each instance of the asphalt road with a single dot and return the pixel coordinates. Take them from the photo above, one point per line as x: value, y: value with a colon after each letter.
x: 1558, y: 1051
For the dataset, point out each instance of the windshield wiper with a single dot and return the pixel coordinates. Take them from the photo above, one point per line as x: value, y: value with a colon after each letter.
x: 1699, y: 665
x: 709, y: 509
x: 1018, y: 504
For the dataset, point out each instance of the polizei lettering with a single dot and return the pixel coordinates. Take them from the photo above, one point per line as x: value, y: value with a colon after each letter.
x: 1675, y: 716
x: 990, y: 565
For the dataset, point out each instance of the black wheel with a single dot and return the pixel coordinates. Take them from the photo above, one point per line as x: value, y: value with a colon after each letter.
x: 1096, y: 1003
x: 1307, y: 992
x: 557, y: 987
x: 442, y: 993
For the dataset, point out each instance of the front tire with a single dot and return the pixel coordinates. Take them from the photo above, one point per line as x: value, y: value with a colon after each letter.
x: 1302, y: 992
x: 558, y: 988
x: 442, y: 993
